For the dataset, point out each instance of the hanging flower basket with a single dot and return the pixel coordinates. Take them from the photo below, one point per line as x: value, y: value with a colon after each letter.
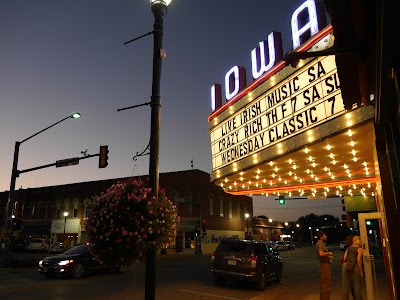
x: 126, y: 220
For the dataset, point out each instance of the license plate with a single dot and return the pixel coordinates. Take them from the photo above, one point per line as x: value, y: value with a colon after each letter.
x: 232, y: 262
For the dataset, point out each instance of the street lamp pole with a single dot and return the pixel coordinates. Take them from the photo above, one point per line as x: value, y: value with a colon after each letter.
x: 11, y: 203
x: 159, y: 9
x: 65, y: 223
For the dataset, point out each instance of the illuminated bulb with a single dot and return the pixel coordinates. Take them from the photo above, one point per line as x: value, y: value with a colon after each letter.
x: 301, y: 180
x: 369, y: 184
x: 316, y: 178
x: 279, y: 145
x: 270, y: 182
x: 313, y: 164
x: 353, y: 152
x: 230, y: 187
x: 265, y: 180
x: 241, y: 173
x: 331, y: 155
x: 273, y: 175
x: 285, y: 181
x: 306, y: 150
x: 290, y: 161
x: 326, y: 169
x: 345, y: 166
x: 234, y: 169
x: 373, y: 194
x: 354, y: 186
x: 290, y: 173
x: 276, y: 169
x: 249, y: 182
x: 257, y: 184
x: 365, y: 164
x: 334, y: 162
x: 241, y: 178
x: 235, y: 183
x: 328, y: 147
x: 294, y: 167
x: 271, y: 163
x: 258, y: 171
x: 352, y: 143
x: 349, y: 132
x: 280, y: 179
x: 310, y: 158
x: 242, y: 186
x: 355, y: 159
x: 308, y: 171
x: 295, y: 177
x: 333, y: 177
x: 312, y: 175
x: 226, y: 179
x: 257, y: 176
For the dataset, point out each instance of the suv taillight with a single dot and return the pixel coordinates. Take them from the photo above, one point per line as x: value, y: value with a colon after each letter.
x: 213, y: 256
x: 254, y: 260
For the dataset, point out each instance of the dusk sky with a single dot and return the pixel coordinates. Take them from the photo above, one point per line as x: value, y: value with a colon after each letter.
x: 60, y: 57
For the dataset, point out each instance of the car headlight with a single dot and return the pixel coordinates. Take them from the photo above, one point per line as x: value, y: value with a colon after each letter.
x: 40, y: 263
x: 64, y: 262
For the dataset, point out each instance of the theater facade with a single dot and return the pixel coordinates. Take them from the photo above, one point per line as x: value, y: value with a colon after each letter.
x: 289, y: 134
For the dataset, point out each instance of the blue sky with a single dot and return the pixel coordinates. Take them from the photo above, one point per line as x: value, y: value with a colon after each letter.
x: 58, y: 57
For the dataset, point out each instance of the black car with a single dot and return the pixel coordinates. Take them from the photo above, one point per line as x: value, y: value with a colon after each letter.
x: 245, y: 260
x: 74, y: 262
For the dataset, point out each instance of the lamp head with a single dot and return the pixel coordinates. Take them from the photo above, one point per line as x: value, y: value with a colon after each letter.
x: 164, y: 2
x: 75, y: 115
x: 65, y: 213
x: 246, y: 216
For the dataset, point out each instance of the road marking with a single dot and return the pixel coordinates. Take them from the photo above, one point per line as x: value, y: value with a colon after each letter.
x: 211, y: 295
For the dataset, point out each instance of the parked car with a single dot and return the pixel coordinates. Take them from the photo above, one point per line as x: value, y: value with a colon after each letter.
x: 281, y: 246
x: 272, y: 244
x: 74, y: 263
x: 342, y: 245
x: 37, y: 245
x: 245, y: 260
x: 57, y: 248
x: 19, y: 245
x: 291, y: 245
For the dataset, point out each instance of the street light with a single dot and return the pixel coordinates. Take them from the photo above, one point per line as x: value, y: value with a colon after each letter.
x: 65, y: 222
x: 246, y: 215
x: 159, y: 9
x: 14, y: 174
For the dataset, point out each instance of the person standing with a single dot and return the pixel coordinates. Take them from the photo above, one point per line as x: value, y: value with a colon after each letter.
x: 324, y: 258
x: 353, y: 254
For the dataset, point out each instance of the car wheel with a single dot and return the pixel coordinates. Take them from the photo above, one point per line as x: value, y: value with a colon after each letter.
x: 261, y: 281
x: 219, y: 280
x: 121, y: 269
x: 77, y: 270
x: 278, y: 275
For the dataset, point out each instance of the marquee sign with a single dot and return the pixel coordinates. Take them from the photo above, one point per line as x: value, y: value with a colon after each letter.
x: 304, y: 100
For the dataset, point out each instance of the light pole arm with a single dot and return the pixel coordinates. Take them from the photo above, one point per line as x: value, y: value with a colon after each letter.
x: 28, y: 138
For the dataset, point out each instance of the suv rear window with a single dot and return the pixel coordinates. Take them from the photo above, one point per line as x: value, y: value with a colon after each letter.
x: 238, y: 248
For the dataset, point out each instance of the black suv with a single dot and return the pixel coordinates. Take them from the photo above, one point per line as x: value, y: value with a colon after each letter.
x: 245, y: 260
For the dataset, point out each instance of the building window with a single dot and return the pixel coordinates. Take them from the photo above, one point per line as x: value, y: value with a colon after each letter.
x: 230, y: 209
x: 87, y: 211
x: 238, y: 210
x: 48, y: 211
x: 211, y: 198
x: 221, y: 207
x: 75, y: 212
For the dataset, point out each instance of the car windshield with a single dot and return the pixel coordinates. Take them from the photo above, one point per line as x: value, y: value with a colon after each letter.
x: 77, y: 250
x: 239, y: 248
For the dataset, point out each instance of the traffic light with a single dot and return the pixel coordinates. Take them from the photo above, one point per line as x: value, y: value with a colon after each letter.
x: 281, y: 200
x: 203, y: 227
x: 103, y: 158
x: 353, y: 23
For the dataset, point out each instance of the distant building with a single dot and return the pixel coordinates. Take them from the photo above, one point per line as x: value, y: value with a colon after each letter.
x: 205, y: 210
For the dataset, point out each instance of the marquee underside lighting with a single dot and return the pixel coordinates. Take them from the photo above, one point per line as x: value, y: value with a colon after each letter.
x: 337, y: 166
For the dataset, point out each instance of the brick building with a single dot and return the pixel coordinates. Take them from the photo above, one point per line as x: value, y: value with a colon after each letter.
x: 206, y: 211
